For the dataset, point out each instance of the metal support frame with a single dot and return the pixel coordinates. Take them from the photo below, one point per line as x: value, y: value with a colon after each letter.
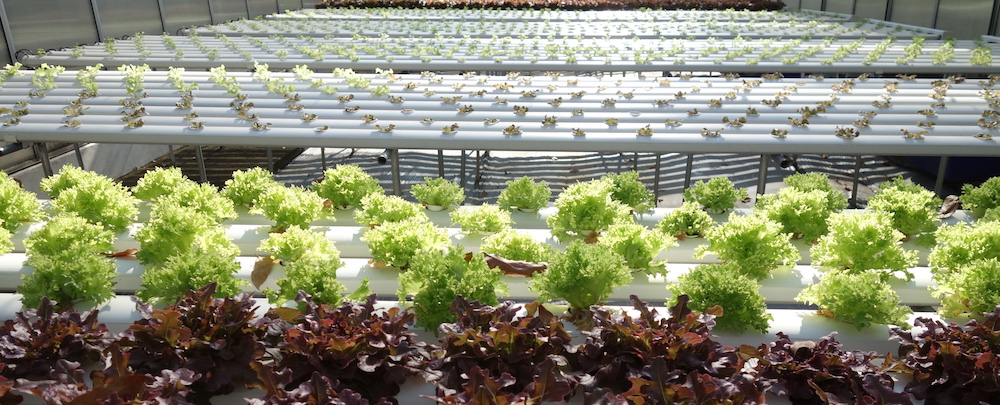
x: 857, y: 181
x: 397, y: 187
x: 888, y: 11
x: 939, y: 182
x: 173, y: 158
x: 7, y: 33
x: 163, y: 15
x: 79, y: 156
x: 479, y: 162
x: 441, y: 163
x: 211, y: 12
x: 762, y: 174
x: 937, y: 10
x: 202, y: 173
x: 656, y: 179
x: 635, y: 161
x: 42, y: 153
x: 322, y: 157
x: 994, y: 17
x: 687, y: 170
x: 247, y: 4
x: 462, y: 168
x: 270, y: 160
x: 97, y: 19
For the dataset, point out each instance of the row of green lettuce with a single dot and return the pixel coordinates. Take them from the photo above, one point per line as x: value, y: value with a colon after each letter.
x: 204, y: 350
x: 183, y: 244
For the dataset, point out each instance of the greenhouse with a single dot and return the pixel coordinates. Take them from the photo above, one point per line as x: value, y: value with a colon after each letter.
x: 382, y: 285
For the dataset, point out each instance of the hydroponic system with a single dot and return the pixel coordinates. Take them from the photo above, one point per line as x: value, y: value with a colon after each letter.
x: 312, y: 260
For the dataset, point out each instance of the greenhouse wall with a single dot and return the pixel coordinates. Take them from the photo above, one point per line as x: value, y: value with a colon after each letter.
x: 126, y: 17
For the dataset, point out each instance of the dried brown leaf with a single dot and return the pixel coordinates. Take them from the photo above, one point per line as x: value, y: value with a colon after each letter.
x: 261, y: 270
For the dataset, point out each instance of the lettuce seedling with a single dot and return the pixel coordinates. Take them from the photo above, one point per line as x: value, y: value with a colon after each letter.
x: 346, y: 185
x: 68, y: 177
x: 525, y: 194
x: 863, y: 241
x: 174, y: 229
x: 753, y: 243
x: 159, y: 181
x: 716, y: 195
x: 859, y: 298
x: 486, y: 218
x: 585, y: 207
x: 247, y: 185
x: 290, y: 206
x: 512, y: 244
x: 19, y: 204
x: 800, y: 213
x: 727, y: 286
x: 396, y: 243
x: 913, y: 208
x: 961, y: 244
x: 584, y: 275
x: 835, y: 199
x: 439, y: 192
x: 627, y: 189
x: 688, y: 220
x: 100, y: 201
x: 972, y: 290
x: 979, y: 199
x: 378, y: 209
x: 638, y: 244
x: 297, y: 244
x: 67, y: 255
x: 190, y: 270
x: 436, y: 276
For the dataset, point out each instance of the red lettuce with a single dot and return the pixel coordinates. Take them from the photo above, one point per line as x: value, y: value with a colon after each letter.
x: 490, y: 352
x: 216, y: 338
x: 35, y: 340
x: 952, y: 364
x: 655, y: 359
x: 354, y: 347
x: 822, y: 372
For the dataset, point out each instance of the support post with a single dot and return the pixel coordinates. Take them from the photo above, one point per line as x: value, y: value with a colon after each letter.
x: 478, y: 165
x: 97, y: 20
x: 79, y: 156
x: 322, y: 157
x: 247, y: 4
x: 656, y: 180
x: 200, y: 157
x: 440, y: 163
x: 857, y: 182
x: 687, y: 171
x: 397, y: 187
x: 270, y: 160
x: 7, y: 35
x: 42, y: 153
x: 173, y: 158
x: 211, y: 12
x: 635, y: 161
x: 939, y: 182
x: 163, y: 15
x: 762, y: 174
x: 462, y: 168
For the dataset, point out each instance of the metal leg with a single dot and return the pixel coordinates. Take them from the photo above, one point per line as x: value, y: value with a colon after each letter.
x: 939, y: 182
x: 462, y: 168
x: 857, y: 182
x: 79, y: 156
x: 322, y: 156
x: 397, y: 188
x: 270, y: 160
x: 42, y: 152
x: 635, y: 159
x: 440, y: 163
x: 656, y: 178
x: 173, y: 158
x: 687, y: 171
x: 478, y: 165
x: 762, y: 174
x: 201, y: 164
